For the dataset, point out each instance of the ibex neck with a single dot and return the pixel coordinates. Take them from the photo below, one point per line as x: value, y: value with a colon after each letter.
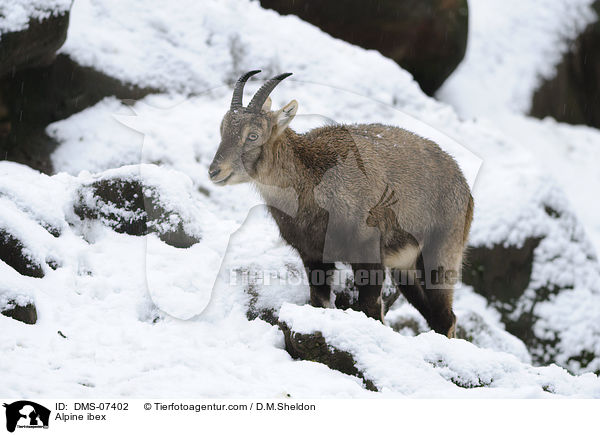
x: 280, y: 165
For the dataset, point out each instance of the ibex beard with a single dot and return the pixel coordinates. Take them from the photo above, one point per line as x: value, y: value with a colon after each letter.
x: 373, y: 196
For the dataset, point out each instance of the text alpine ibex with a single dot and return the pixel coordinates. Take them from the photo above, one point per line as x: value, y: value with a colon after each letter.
x: 402, y: 203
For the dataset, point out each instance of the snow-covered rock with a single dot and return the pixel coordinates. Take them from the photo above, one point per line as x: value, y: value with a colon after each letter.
x: 29, y: 225
x: 132, y: 200
x: 31, y: 32
x: 534, y: 281
x: 15, y: 15
x: 17, y: 295
x: 417, y: 366
x: 572, y: 93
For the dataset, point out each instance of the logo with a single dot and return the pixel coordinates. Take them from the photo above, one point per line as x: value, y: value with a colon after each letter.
x: 26, y: 414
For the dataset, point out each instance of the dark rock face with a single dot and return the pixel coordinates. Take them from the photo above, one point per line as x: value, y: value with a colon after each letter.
x: 500, y: 273
x: 26, y: 313
x: 534, y: 284
x: 14, y: 253
x: 428, y: 38
x: 34, y: 98
x: 127, y: 206
x: 573, y: 95
x: 313, y: 347
x: 34, y: 46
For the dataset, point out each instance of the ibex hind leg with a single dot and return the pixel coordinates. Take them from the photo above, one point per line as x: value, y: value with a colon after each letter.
x: 442, y: 259
x: 368, y: 280
x: 408, y: 282
x: 441, y: 319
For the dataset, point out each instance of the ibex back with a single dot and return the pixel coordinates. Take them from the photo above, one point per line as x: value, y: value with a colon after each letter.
x: 373, y: 196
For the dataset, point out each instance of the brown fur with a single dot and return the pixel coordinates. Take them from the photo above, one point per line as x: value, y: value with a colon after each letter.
x: 368, y: 195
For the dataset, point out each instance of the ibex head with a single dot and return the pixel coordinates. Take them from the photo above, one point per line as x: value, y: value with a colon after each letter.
x: 246, y: 130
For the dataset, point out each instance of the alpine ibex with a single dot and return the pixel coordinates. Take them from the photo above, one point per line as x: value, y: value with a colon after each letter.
x: 399, y: 201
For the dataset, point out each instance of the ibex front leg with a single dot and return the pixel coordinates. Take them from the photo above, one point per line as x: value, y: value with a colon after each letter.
x: 368, y: 280
x: 319, y: 276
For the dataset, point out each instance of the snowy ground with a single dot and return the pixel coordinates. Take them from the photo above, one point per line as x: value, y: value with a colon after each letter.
x: 134, y: 310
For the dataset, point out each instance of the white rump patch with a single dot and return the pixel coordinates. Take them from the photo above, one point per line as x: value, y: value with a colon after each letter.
x: 402, y: 259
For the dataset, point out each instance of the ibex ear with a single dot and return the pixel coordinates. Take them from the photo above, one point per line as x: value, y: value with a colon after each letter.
x: 267, y: 106
x: 284, y: 116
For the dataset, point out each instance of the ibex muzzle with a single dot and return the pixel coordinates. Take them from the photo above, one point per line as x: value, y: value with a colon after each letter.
x: 397, y: 202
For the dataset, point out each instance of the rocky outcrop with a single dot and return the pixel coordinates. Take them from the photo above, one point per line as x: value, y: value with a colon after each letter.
x: 129, y: 206
x: 47, y: 222
x: 314, y: 347
x: 428, y: 38
x: 501, y: 273
x: 34, y: 46
x: 14, y: 253
x: 573, y: 95
x: 25, y: 313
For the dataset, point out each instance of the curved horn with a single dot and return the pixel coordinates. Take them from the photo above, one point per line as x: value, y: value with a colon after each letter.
x: 262, y: 94
x: 238, y: 90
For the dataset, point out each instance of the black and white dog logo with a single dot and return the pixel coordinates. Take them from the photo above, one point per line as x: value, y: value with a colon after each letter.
x: 26, y: 414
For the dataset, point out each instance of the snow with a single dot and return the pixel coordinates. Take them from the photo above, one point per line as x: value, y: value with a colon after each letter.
x: 478, y: 323
x: 117, y: 295
x: 15, y: 180
x: 176, y: 288
x: 570, y: 154
x: 15, y: 14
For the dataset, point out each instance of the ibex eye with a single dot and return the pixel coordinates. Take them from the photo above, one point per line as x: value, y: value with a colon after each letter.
x: 252, y: 136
